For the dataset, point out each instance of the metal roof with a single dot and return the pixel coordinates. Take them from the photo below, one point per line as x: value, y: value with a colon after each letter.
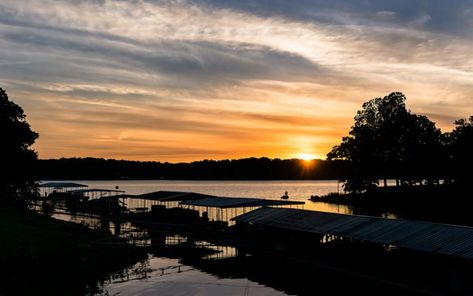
x: 94, y: 190
x: 119, y: 196
x: 171, y: 196
x: 62, y: 185
x: 237, y: 202
x: 187, y: 196
x: 275, y: 202
x: 205, y: 200
x: 454, y: 240
x: 159, y: 195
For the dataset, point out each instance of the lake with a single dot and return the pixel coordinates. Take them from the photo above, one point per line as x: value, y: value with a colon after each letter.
x: 297, y: 190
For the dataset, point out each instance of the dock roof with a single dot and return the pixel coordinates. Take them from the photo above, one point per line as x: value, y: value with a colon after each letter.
x: 62, y: 185
x: 94, y: 190
x: 205, y: 200
x: 238, y: 202
x: 171, y: 196
x: 430, y: 237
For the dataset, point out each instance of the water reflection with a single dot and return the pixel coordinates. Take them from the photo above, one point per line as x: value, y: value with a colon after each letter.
x: 240, y: 275
x: 165, y: 276
x: 327, y: 207
x: 139, y: 271
x: 221, y: 252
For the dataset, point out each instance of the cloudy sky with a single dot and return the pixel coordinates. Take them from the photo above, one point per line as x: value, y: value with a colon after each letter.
x: 188, y: 80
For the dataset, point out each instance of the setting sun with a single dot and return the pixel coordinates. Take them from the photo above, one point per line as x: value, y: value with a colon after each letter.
x: 306, y: 156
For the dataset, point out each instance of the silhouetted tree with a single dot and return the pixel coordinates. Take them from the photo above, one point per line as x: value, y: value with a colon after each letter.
x: 422, y: 152
x: 387, y: 140
x: 460, y: 146
x: 16, y: 158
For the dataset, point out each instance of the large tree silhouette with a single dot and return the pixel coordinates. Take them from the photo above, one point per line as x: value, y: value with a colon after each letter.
x: 387, y: 140
x: 17, y: 159
x: 460, y: 145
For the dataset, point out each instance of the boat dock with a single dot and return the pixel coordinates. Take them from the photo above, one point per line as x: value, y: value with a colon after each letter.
x: 444, y: 239
x: 215, y: 208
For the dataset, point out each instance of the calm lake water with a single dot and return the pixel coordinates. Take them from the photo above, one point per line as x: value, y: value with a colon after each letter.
x: 167, y: 276
x: 297, y: 190
x: 161, y: 275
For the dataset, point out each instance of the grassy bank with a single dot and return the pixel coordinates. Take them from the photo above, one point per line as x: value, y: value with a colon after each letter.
x: 449, y: 203
x: 42, y: 255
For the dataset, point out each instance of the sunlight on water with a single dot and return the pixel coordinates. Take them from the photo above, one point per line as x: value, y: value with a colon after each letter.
x: 326, y: 207
x: 299, y: 190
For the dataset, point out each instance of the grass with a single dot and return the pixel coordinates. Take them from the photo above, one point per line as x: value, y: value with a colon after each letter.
x: 41, y: 255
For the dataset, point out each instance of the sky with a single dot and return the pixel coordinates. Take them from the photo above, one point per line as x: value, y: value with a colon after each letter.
x: 183, y: 80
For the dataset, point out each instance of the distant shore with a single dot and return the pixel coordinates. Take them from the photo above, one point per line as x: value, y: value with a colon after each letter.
x: 230, y: 169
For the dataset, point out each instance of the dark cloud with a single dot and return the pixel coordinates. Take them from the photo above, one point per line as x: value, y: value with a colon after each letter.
x: 443, y: 16
x: 187, y: 62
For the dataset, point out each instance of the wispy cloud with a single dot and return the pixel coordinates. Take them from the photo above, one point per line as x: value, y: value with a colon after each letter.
x: 242, y: 77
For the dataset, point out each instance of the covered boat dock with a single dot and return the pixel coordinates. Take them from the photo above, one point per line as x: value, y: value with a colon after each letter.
x: 97, y: 193
x: 170, y: 199
x: 226, y: 208
x: 215, y: 208
x: 49, y: 187
x: 436, y: 238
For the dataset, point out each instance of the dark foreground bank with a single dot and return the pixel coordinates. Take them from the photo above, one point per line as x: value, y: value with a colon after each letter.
x: 43, y: 256
x: 446, y: 203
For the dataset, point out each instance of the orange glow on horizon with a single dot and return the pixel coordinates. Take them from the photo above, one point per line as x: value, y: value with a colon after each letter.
x: 306, y: 156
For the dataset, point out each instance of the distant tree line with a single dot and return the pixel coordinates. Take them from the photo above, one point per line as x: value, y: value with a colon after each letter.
x: 239, y: 169
x: 389, y: 141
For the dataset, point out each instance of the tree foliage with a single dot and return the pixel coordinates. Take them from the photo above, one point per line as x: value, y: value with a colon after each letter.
x: 16, y: 157
x: 387, y: 140
x: 460, y: 149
